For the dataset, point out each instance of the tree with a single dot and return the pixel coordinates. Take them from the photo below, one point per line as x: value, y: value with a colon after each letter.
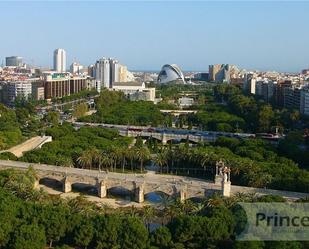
x: 9, y: 206
x: 85, y: 159
x: 53, y: 118
x: 53, y: 218
x: 29, y: 237
x: 84, y: 233
x: 148, y: 214
x: 106, y: 161
x: 161, y: 159
x: 134, y: 235
x: 266, y: 116
x: 142, y: 154
x: 80, y: 110
x: 108, y: 232
x: 131, y: 155
x: 162, y: 238
x: 249, y: 245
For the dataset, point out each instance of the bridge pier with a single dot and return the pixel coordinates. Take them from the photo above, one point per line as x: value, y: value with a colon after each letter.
x: 102, y: 189
x: 36, y: 184
x: 226, y: 185
x: 163, y: 139
x: 66, y: 185
x: 218, y: 179
x: 139, y: 192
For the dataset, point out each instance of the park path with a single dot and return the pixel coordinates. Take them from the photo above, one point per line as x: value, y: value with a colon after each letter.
x: 30, y: 144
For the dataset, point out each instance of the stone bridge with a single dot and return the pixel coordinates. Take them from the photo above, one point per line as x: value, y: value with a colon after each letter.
x: 165, y: 137
x: 141, y: 184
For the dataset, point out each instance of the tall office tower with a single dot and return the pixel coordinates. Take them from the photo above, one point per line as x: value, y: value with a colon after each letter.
x: 102, y: 73
x: 60, y: 60
x: 13, y: 61
x: 114, y: 71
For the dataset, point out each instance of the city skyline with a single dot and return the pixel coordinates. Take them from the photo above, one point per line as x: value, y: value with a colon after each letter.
x: 262, y: 36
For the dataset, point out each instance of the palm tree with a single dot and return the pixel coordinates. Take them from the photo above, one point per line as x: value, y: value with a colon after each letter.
x: 215, y: 201
x: 142, y: 154
x: 96, y: 158
x: 198, y: 208
x: 123, y: 153
x: 67, y: 162
x: 161, y: 160
x: 148, y: 214
x: 116, y: 155
x: 85, y: 159
x: 105, y: 160
x: 131, y: 155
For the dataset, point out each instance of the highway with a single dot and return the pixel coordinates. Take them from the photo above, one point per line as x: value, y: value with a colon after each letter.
x: 167, y: 131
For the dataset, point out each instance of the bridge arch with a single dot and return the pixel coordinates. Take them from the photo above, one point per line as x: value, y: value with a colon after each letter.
x: 51, y: 182
x: 157, y: 196
x: 84, y: 188
x: 120, y: 191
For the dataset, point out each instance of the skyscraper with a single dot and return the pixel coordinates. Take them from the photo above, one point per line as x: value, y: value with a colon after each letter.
x: 60, y: 60
x: 102, y: 73
x: 114, y: 71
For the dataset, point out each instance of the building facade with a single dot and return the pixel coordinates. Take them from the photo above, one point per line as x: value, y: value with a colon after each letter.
x: 16, y: 89
x: 304, y: 101
x: 60, y: 60
x: 76, y: 68
x: 58, y: 85
x: 123, y: 73
x: 102, y: 73
x: 213, y: 70
x: 249, y: 85
x: 114, y: 71
x: 135, y: 90
x: 14, y: 61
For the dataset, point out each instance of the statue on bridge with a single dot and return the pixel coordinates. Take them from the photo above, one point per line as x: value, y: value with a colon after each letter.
x: 222, y: 171
x: 219, y: 168
x: 226, y: 174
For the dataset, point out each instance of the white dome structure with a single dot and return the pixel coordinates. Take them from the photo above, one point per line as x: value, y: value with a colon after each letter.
x: 170, y: 73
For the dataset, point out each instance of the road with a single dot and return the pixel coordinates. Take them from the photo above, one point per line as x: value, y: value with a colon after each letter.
x: 167, y: 131
x: 149, y: 177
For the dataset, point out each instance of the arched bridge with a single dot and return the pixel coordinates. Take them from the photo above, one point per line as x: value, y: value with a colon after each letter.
x: 140, y: 184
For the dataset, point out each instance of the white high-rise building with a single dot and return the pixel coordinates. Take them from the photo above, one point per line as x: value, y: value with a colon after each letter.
x: 60, y: 60
x: 102, y: 73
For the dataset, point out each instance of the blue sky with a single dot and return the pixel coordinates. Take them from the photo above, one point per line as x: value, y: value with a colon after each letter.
x: 148, y: 34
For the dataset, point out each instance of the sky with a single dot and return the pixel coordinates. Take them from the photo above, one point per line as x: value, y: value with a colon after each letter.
x: 145, y: 35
